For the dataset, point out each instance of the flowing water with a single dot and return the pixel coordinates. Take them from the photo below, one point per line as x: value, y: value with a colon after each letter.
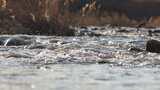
x: 97, y: 58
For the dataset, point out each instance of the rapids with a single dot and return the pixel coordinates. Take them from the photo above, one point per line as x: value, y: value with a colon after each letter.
x: 97, y: 58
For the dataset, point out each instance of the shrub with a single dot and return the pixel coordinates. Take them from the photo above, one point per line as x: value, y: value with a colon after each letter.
x: 40, y: 16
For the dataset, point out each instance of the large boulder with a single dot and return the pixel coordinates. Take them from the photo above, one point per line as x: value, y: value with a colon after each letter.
x: 153, y: 46
x: 16, y: 41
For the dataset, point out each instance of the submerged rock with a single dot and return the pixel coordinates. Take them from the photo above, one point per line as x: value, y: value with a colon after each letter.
x: 153, y: 32
x: 153, y: 46
x: 2, y: 40
x: 15, y: 41
x: 123, y: 31
x: 39, y: 46
x: 86, y: 32
x: 135, y: 49
x: 105, y: 62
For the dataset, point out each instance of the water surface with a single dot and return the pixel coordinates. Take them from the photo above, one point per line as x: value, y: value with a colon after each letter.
x: 97, y: 58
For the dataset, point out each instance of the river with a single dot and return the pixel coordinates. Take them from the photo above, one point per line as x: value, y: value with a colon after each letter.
x: 97, y: 58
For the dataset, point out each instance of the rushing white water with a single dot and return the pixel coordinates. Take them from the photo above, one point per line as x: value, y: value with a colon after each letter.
x: 100, y: 60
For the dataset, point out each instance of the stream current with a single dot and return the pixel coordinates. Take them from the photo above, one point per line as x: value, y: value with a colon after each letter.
x: 97, y: 58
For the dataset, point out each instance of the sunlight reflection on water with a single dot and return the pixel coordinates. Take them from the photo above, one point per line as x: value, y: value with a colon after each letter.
x: 79, y: 62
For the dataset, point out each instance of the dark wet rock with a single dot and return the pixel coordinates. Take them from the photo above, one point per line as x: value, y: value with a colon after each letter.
x: 38, y: 46
x: 26, y: 37
x: 103, y: 28
x: 16, y: 41
x: 42, y: 62
x: 37, y: 62
x: 13, y: 55
x: 113, y: 25
x: 53, y: 41
x: 150, y: 33
x: 123, y: 31
x: 83, y: 27
x: 87, y: 33
x: 63, y: 42
x: 153, y: 46
x: 93, y: 34
x: 104, y: 62
x: 95, y: 28
x: 153, y: 32
x: 135, y: 49
x: 2, y: 40
x: 96, y: 34
x: 82, y: 32
x: 156, y: 31
x: 43, y: 67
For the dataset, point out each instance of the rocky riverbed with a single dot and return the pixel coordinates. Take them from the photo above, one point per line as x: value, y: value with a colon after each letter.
x: 96, y: 58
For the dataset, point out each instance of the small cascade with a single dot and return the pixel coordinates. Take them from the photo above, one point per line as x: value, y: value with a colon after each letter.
x: 7, y: 41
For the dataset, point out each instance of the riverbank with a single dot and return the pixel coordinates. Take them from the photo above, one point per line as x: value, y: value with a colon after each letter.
x: 55, y: 17
x: 9, y: 25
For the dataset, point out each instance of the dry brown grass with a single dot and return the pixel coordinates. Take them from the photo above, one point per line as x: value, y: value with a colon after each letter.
x: 54, y: 16
x: 114, y: 18
x: 96, y: 16
x: 41, y: 16
x: 3, y: 3
x: 154, y: 21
